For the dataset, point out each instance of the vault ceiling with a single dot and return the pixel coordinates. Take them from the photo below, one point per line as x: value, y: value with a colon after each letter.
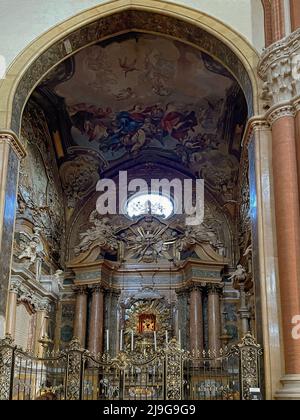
x: 142, y: 98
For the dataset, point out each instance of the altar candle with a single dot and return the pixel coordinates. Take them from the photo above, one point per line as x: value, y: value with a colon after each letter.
x: 107, y: 341
x: 155, y: 342
x: 121, y: 340
x: 179, y: 338
x: 132, y: 341
x: 167, y: 337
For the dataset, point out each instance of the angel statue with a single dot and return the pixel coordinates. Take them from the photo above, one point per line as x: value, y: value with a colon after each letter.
x: 34, y: 248
x: 197, y: 234
x: 58, y: 281
x: 34, y: 252
x: 102, y: 234
x: 240, y: 275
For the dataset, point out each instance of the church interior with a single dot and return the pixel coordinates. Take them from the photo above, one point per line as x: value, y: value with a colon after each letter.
x: 137, y: 304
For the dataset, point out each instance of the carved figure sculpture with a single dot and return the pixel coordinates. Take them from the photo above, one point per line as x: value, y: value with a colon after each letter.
x: 101, y: 234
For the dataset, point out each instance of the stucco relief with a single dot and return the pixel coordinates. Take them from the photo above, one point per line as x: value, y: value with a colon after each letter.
x: 149, y: 239
x: 40, y: 200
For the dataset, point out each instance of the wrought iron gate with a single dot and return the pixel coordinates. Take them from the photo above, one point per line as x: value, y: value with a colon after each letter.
x: 168, y: 374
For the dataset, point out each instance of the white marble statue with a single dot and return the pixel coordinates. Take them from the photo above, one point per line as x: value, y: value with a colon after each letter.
x: 59, y: 280
x: 240, y: 274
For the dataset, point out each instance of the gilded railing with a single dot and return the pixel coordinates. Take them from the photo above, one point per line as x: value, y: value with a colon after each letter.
x: 167, y: 374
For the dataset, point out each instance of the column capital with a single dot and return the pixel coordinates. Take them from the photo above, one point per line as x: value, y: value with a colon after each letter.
x: 80, y: 290
x: 214, y: 289
x: 282, y: 111
x: 14, y: 286
x: 43, y: 305
x: 279, y: 68
x: 11, y: 138
x: 97, y: 288
x: 197, y: 287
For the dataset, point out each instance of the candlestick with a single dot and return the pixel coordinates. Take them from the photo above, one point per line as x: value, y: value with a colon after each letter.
x: 107, y: 341
x: 155, y: 342
x: 167, y: 340
x: 132, y: 341
x: 121, y: 340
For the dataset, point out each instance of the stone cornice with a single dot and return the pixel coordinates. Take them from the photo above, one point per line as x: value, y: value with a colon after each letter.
x: 11, y: 138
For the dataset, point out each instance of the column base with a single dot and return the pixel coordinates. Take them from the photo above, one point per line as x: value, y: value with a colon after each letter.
x: 290, y: 390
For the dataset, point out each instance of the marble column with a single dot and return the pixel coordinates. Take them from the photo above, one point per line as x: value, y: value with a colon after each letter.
x: 278, y: 67
x: 214, y: 318
x: 12, y: 309
x: 80, y: 317
x: 183, y: 297
x: 42, y: 321
x: 297, y: 134
x: 11, y: 152
x: 58, y: 322
x: 196, y: 320
x: 244, y: 312
x: 287, y: 211
x: 96, y: 322
x: 112, y: 321
x: 265, y: 257
x: 288, y: 228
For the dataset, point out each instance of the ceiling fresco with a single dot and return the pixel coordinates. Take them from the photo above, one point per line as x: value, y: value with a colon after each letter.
x: 144, y: 96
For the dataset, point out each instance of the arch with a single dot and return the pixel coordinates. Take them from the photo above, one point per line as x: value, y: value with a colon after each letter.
x: 119, y: 16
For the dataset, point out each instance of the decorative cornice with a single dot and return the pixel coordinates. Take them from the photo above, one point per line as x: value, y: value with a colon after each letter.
x: 11, y: 138
x: 280, y: 112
